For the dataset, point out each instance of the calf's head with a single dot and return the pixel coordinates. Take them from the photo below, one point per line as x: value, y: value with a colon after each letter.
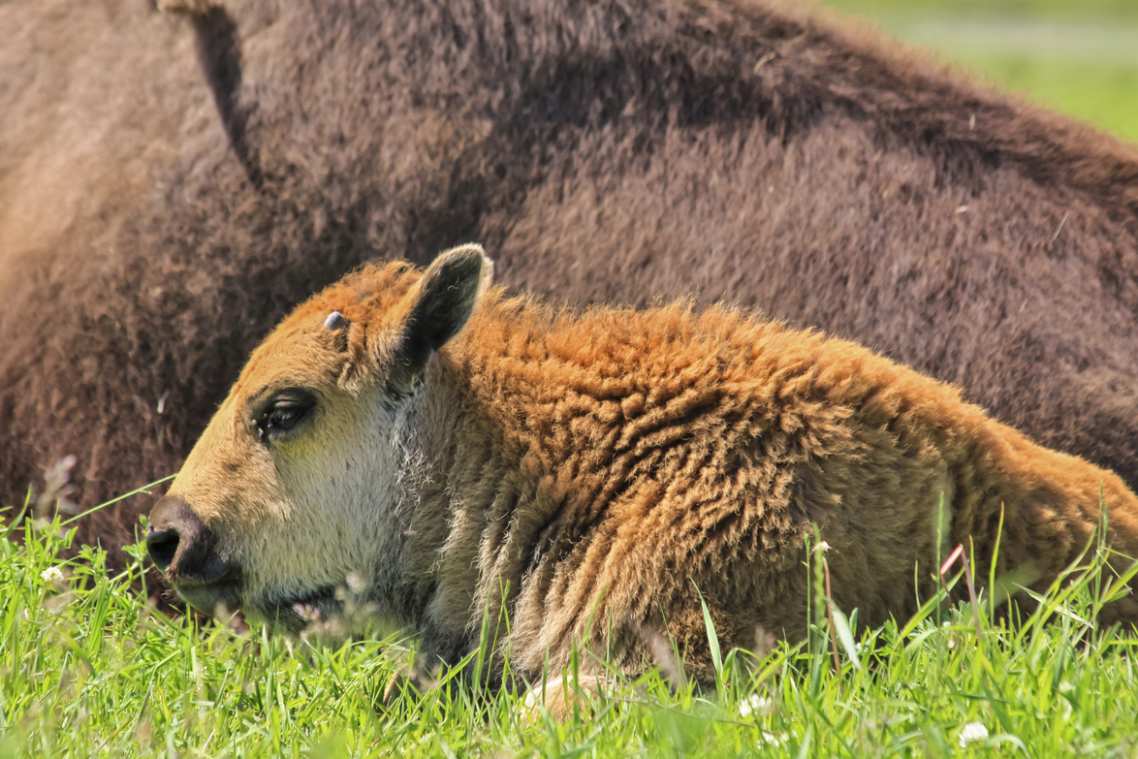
x: 296, y: 485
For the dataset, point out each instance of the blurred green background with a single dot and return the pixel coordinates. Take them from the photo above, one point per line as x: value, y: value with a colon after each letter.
x: 1075, y: 56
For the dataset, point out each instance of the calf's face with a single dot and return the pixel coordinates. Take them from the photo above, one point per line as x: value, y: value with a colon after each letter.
x: 296, y: 486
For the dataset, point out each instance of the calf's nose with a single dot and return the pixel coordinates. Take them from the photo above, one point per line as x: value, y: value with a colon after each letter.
x: 179, y: 543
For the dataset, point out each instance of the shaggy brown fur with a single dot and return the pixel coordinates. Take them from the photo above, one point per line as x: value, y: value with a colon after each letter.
x: 592, y: 471
x: 619, y: 152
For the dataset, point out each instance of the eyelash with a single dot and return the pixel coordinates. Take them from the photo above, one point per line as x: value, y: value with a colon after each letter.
x: 282, y: 415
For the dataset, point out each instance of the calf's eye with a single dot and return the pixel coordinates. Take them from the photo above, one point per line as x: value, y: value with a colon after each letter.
x: 281, y: 413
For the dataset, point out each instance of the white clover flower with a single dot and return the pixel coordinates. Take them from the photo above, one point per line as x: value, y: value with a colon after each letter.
x: 774, y: 739
x: 755, y: 704
x: 54, y: 576
x: 973, y: 731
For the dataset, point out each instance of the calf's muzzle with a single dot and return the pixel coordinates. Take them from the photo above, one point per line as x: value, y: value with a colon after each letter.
x: 181, y: 545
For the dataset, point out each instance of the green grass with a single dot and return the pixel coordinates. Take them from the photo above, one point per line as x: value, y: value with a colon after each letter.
x: 1079, y: 58
x: 88, y: 668
x: 1050, y: 9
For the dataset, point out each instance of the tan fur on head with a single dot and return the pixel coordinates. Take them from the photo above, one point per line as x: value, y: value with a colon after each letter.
x: 592, y: 476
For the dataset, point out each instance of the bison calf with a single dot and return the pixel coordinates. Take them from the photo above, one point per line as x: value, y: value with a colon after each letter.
x: 457, y: 450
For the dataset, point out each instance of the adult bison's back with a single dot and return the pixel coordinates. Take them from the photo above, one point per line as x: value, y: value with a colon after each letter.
x: 174, y: 185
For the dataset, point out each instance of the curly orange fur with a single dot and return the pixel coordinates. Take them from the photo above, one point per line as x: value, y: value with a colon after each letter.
x: 594, y: 470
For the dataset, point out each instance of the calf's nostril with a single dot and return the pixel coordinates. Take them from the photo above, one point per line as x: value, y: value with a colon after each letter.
x: 181, y: 545
x: 162, y: 546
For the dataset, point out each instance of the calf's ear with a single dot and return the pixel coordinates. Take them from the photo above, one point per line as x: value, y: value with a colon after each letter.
x: 442, y: 302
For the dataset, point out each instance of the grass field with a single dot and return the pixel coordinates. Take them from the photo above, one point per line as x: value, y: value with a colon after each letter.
x: 88, y: 668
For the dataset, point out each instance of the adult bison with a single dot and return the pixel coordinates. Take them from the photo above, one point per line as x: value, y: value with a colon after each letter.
x: 169, y: 188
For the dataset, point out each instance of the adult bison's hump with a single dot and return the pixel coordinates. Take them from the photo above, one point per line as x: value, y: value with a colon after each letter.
x: 178, y: 184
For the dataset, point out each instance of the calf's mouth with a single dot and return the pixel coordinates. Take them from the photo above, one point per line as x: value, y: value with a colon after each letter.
x: 295, y: 611
x: 185, y: 550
